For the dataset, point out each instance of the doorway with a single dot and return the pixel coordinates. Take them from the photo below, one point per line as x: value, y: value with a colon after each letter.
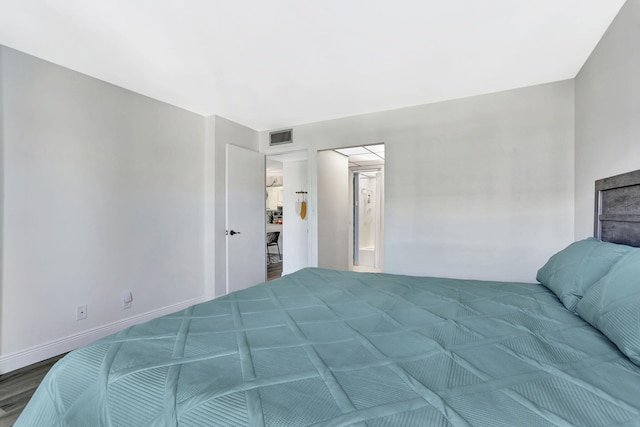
x: 286, y: 178
x: 367, y: 225
x: 351, y: 208
x: 274, y: 217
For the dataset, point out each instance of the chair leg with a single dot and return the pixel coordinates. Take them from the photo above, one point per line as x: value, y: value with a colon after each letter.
x: 279, y: 254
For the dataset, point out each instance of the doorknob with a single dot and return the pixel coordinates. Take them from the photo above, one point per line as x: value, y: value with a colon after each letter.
x: 234, y: 232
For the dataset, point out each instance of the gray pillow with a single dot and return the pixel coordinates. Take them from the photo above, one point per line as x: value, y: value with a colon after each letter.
x: 573, y: 270
x: 612, y: 305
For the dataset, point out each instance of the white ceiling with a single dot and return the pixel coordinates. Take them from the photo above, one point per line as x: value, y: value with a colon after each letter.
x: 274, y: 63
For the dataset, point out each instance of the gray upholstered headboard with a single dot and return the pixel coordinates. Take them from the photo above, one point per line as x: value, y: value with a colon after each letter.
x: 617, y: 212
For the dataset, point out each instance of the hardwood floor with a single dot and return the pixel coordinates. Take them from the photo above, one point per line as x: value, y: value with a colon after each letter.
x: 274, y: 270
x: 17, y: 387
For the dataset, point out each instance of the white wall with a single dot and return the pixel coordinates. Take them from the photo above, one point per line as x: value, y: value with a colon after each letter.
x: 210, y: 206
x: 226, y: 132
x: 480, y: 187
x: 608, y: 112
x: 333, y: 206
x: 102, y: 191
x: 2, y: 80
x: 294, y: 229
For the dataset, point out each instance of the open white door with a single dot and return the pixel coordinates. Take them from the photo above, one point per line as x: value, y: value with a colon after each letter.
x: 245, y: 217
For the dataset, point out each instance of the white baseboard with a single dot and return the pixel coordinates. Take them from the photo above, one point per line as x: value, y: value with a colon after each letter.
x: 19, y: 359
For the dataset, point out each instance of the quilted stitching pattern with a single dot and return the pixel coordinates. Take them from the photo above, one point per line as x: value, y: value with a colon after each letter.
x: 321, y: 347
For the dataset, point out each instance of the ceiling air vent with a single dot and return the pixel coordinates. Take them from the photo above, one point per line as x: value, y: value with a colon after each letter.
x: 281, y: 137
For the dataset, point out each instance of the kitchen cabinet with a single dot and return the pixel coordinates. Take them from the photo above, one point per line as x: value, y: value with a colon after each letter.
x: 274, y: 198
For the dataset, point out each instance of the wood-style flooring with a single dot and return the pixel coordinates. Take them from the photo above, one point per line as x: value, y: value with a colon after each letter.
x: 17, y: 387
x: 274, y: 270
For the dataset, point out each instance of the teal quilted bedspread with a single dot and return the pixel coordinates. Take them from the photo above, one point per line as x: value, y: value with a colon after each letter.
x: 321, y: 347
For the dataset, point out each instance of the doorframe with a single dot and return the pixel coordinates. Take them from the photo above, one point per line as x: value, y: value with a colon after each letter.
x: 298, y: 154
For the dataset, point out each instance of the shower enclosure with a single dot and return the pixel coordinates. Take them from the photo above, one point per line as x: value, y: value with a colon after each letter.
x: 367, y: 224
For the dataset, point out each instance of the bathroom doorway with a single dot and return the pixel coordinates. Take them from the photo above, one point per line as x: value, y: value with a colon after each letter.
x: 367, y: 219
x: 351, y: 208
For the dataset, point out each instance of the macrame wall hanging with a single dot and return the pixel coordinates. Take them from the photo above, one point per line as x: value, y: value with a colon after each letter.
x: 301, y: 204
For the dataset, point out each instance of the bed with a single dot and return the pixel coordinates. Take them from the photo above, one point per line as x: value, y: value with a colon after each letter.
x: 329, y: 348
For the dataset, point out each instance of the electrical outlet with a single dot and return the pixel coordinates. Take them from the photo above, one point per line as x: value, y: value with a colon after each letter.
x: 127, y: 299
x: 81, y: 312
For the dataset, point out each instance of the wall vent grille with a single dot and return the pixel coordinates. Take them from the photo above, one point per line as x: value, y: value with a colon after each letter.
x: 281, y: 137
